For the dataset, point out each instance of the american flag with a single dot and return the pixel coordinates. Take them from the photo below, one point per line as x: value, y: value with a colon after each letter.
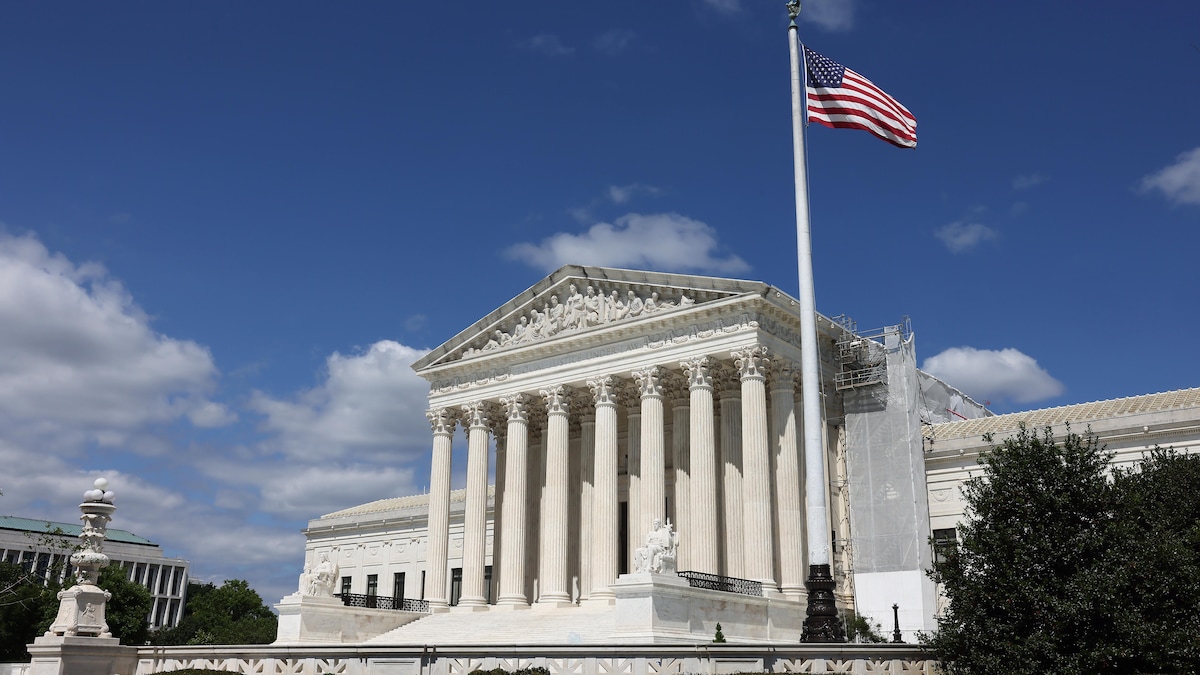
x: 840, y: 98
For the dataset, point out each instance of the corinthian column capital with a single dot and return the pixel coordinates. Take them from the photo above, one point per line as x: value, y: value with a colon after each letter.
x: 604, y: 390
x: 752, y: 362
x: 515, y: 407
x: 649, y: 381
x: 442, y: 420
x: 558, y: 399
x: 699, y: 372
x: 783, y: 374
x: 477, y: 413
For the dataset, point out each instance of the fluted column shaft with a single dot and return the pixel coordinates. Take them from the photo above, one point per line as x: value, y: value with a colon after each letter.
x: 475, y: 512
x: 636, y: 529
x: 729, y: 464
x: 756, y: 466
x: 587, y: 495
x: 787, y: 482
x: 704, y: 552
x: 653, y: 483
x: 554, y: 528
x: 606, y: 510
x: 512, y: 560
x: 681, y: 461
x: 437, y: 562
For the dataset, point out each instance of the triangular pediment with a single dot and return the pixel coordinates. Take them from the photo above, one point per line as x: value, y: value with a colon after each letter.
x: 575, y: 300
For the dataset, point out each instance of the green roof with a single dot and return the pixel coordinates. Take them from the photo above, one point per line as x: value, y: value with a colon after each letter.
x: 68, y: 529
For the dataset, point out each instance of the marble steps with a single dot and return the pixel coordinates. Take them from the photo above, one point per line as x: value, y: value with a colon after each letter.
x: 558, y: 626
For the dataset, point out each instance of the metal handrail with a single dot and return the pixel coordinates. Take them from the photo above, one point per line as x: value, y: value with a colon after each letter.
x: 716, y: 582
x: 383, y: 602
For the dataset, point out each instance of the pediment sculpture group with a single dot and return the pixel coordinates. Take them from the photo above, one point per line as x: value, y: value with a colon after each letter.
x: 578, y: 310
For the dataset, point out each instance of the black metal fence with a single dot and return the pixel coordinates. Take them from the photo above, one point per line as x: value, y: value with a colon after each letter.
x: 715, y: 582
x: 383, y: 602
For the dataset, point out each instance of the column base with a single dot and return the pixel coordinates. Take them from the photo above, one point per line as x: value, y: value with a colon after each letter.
x: 510, y: 606
x: 552, y: 604
x: 822, y: 623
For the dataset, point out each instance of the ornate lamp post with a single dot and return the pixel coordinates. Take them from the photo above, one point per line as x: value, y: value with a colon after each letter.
x: 81, y: 607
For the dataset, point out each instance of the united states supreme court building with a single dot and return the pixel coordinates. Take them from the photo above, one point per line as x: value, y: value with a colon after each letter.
x: 635, y: 474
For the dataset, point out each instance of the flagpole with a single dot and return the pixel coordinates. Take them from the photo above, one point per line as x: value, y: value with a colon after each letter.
x: 821, y: 623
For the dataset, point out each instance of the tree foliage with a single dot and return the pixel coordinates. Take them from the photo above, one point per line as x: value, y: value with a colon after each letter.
x: 20, y: 609
x: 231, y: 614
x: 1062, y: 564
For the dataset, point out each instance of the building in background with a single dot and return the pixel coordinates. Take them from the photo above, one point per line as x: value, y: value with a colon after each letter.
x: 44, y: 548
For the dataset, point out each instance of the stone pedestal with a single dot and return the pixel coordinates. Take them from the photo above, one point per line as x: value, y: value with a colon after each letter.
x: 72, y: 655
x: 315, y: 620
x: 81, y: 612
x: 663, y: 609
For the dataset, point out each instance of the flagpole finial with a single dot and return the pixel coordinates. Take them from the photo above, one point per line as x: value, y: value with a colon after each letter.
x: 793, y: 8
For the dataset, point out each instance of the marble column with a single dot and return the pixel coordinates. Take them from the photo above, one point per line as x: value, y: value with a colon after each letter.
x: 678, y: 394
x: 759, y: 559
x: 729, y: 466
x: 630, y: 399
x: 790, y: 519
x: 554, y: 528
x: 512, y: 561
x: 705, y: 554
x: 587, y: 496
x: 475, y: 514
x: 443, y: 422
x: 499, y: 430
x: 653, y: 470
x: 606, y: 508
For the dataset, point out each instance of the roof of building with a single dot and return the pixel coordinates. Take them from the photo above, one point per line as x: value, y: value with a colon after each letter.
x: 1079, y: 413
x: 68, y: 529
x: 397, y: 503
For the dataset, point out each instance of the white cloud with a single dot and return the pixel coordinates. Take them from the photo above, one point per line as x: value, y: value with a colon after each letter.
x: 620, y: 194
x: 832, y: 15
x: 1179, y: 182
x: 664, y: 241
x: 78, y: 356
x: 960, y: 237
x: 370, y: 404
x: 614, y: 42
x: 548, y: 44
x: 1026, y: 181
x: 987, y: 374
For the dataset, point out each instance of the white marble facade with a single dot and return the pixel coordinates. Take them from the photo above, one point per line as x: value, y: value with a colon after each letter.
x: 602, y: 400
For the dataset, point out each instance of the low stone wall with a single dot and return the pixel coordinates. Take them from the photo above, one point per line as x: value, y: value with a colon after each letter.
x: 576, y: 660
x: 14, y: 669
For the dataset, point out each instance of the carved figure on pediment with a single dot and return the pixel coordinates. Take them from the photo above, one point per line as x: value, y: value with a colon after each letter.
x: 537, y: 321
x: 555, y: 315
x: 574, y: 314
x: 521, y: 330
x: 658, y: 555
x: 616, y: 308
x: 685, y: 301
x: 635, y: 306
x: 501, y: 338
x: 592, y: 306
x: 651, y: 304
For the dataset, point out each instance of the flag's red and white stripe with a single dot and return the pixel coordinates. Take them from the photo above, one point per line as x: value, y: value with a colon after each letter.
x: 858, y: 104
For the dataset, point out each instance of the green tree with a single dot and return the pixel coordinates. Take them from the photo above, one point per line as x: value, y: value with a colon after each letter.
x: 1159, y: 561
x: 1065, y: 565
x: 20, y: 609
x: 232, y: 614
x: 1027, y: 585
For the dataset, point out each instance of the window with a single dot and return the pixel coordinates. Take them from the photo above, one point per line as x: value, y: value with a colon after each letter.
x: 398, y: 587
x: 372, y: 590
x: 455, y: 585
x: 943, y: 540
x: 345, y: 585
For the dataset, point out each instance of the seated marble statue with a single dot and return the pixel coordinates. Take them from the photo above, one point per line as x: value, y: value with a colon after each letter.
x: 321, y: 581
x: 658, y: 555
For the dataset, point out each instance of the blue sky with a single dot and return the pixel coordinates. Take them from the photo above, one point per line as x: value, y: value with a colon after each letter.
x: 227, y: 228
